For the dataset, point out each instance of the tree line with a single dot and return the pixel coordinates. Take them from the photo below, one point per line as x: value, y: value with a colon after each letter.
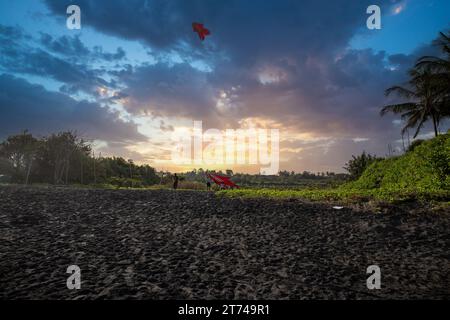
x: 63, y: 159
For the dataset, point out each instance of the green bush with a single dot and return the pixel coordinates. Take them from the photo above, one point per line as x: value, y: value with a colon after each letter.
x: 125, y: 182
x: 414, y: 144
x: 358, y: 164
x: 427, y: 167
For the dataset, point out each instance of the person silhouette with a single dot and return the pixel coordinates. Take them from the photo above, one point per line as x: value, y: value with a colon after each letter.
x: 175, y: 181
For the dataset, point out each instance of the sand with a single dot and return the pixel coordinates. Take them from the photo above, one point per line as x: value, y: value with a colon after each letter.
x: 166, y: 244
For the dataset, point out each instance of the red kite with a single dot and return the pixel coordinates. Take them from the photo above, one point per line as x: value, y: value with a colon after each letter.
x: 202, y: 31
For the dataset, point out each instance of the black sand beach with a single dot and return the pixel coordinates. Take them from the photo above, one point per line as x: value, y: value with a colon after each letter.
x: 194, y: 245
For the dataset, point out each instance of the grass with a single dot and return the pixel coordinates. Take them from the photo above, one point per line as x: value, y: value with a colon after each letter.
x: 340, y: 194
x: 422, y: 174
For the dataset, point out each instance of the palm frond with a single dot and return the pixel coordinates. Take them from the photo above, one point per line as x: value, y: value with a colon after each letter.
x: 433, y: 64
x: 443, y: 41
x: 398, y: 108
x: 411, y: 114
x: 401, y: 91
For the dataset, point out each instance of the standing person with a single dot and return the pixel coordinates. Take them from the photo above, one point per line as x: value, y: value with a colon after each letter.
x: 175, y: 181
x: 208, y: 181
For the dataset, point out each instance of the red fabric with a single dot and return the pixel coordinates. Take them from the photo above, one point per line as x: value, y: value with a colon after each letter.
x: 222, y: 181
x: 202, y: 31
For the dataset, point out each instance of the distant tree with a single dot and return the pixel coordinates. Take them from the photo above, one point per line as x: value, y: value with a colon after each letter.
x: 66, y: 158
x: 56, y: 154
x: 149, y: 177
x: 358, y: 164
x: 20, y: 151
x: 283, y: 173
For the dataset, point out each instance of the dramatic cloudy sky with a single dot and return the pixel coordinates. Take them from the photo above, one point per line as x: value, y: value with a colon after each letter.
x: 136, y: 72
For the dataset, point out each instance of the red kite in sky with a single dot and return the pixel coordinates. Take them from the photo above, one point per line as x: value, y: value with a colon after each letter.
x: 202, y: 31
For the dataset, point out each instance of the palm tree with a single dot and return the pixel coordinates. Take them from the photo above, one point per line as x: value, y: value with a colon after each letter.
x: 423, y: 105
x: 440, y: 66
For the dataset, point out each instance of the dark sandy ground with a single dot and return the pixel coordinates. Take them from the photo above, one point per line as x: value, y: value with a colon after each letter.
x: 193, y: 245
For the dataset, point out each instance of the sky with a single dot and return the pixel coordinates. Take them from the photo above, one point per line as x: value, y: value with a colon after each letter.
x: 136, y: 73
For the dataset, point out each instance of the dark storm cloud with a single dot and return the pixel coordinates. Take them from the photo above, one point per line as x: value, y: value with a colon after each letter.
x: 64, y: 59
x: 175, y: 90
x: 9, y: 35
x: 320, y: 86
x: 340, y: 97
x: 406, y: 61
x: 70, y: 46
x: 160, y: 23
x: 10, y: 39
x: 73, y: 47
x: 299, y: 39
x: 28, y: 106
x: 118, y: 55
x: 74, y: 76
x: 238, y: 26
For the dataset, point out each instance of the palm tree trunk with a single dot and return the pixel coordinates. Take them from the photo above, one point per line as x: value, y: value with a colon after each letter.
x: 435, y: 125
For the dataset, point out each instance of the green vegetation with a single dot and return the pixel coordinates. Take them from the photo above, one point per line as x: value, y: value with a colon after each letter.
x: 420, y: 174
x: 340, y: 195
x: 65, y: 159
x: 358, y: 164
x: 425, y: 168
